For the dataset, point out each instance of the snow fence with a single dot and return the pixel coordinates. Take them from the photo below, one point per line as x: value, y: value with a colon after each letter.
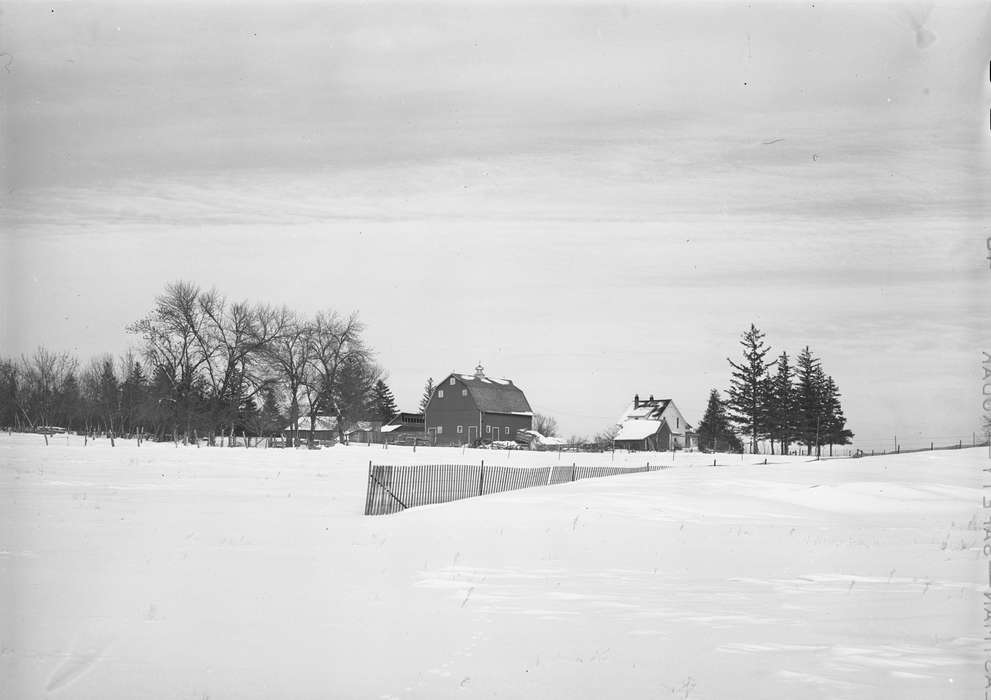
x: 392, y: 488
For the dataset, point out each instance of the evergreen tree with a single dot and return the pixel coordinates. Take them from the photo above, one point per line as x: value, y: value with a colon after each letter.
x: 133, y: 397
x: 428, y: 392
x: 809, y: 400
x: 715, y: 432
x: 271, y: 420
x: 108, y: 395
x: 781, y: 407
x: 748, y: 398
x: 836, y: 432
x: 385, y: 402
x: 69, y: 401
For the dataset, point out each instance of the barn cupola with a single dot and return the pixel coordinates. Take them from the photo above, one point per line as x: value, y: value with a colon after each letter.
x: 479, y: 374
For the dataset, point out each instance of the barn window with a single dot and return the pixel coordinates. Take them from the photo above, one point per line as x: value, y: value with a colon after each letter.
x: 488, y: 428
x: 464, y: 392
x: 460, y: 429
x: 440, y: 429
x: 440, y: 393
x: 507, y: 431
x: 452, y: 381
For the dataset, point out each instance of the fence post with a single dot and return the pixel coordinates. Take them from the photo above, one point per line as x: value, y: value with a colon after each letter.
x: 930, y: 446
x: 481, y: 478
x: 573, y: 471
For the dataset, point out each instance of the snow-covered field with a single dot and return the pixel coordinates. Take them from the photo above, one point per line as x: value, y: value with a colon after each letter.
x: 163, y: 572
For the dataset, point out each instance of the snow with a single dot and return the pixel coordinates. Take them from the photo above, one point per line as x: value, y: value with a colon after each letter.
x: 156, y: 571
x: 638, y: 429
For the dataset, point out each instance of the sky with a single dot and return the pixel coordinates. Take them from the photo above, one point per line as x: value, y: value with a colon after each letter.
x: 590, y: 199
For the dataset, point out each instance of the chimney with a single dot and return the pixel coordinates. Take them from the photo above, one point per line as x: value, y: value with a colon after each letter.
x: 652, y: 398
x: 636, y: 401
x: 479, y: 374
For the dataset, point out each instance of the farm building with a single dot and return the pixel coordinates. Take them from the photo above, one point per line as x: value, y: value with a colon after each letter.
x: 405, y: 427
x: 324, y: 430
x: 654, y: 425
x: 465, y: 409
x: 365, y: 431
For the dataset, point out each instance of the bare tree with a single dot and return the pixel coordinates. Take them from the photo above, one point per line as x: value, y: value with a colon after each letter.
x: 289, y: 357
x: 545, y: 425
x: 336, y: 343
x: 43, y: 376
x: 173, y: 343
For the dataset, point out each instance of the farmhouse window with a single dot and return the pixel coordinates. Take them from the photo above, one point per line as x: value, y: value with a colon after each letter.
x: 440, y: 393
x: 464, y: 392
x: 452, y: 381
x: 440, y: 429
x: 460, y: 429
x: 507, y: 431
x: 488, y: 428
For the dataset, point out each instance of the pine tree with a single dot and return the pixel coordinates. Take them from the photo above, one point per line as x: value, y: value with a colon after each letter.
x: 133, y: 396
x: 781, y: 408
x: 748, y: 398
x: 715, y: 432
x: 809, y: 400
x: 428, y: 392
x: 108, y: 393
x: 385, y: 402
x: 836, y: 432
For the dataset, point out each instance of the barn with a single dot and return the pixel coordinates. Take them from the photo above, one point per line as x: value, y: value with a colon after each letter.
x: 654, y: 425
x: 466, y: 409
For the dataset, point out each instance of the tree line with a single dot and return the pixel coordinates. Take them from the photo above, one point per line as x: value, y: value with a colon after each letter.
x: 206, y: 367
x: 793, y: 404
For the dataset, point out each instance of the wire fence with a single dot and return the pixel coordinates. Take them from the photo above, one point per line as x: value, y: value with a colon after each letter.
x: 393, y: 488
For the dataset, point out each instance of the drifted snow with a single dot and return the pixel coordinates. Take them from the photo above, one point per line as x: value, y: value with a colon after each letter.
x: 158, y: 572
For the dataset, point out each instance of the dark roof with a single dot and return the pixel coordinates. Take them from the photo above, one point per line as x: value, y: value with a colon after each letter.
x: 405, y: 418
x: 494, y: 395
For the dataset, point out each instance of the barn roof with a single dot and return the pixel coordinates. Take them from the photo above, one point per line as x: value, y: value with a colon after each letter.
x: 495, y: 395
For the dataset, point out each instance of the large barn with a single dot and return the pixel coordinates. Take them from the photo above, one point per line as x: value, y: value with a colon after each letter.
x: 469, y: 408
x: 653, y: 425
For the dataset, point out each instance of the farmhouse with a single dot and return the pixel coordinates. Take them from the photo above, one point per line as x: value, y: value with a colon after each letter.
x: 654, y: 425
x: 467, y: 408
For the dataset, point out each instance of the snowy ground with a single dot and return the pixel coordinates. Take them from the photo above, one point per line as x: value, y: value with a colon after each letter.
x: 157, y: 572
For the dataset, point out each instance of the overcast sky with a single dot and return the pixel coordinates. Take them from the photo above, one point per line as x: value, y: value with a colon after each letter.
x: 592, y: 200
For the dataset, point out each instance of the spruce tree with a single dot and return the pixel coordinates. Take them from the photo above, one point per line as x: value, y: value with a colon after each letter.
x: 428, y: 392
x: 781, y: 407
x: 809, y: 400
x: 836, y: 432
x: 748, y: 398
x: 385, y: 402
x: 108, y: 396
x: 715, y: 432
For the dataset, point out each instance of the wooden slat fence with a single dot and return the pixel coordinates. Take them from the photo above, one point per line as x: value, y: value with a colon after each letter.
x: 392, y: 488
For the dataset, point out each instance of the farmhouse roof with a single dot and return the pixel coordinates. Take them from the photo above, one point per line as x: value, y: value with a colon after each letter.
x: 495, y: 395
x: 638, y: 429
x: 644, y: 408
